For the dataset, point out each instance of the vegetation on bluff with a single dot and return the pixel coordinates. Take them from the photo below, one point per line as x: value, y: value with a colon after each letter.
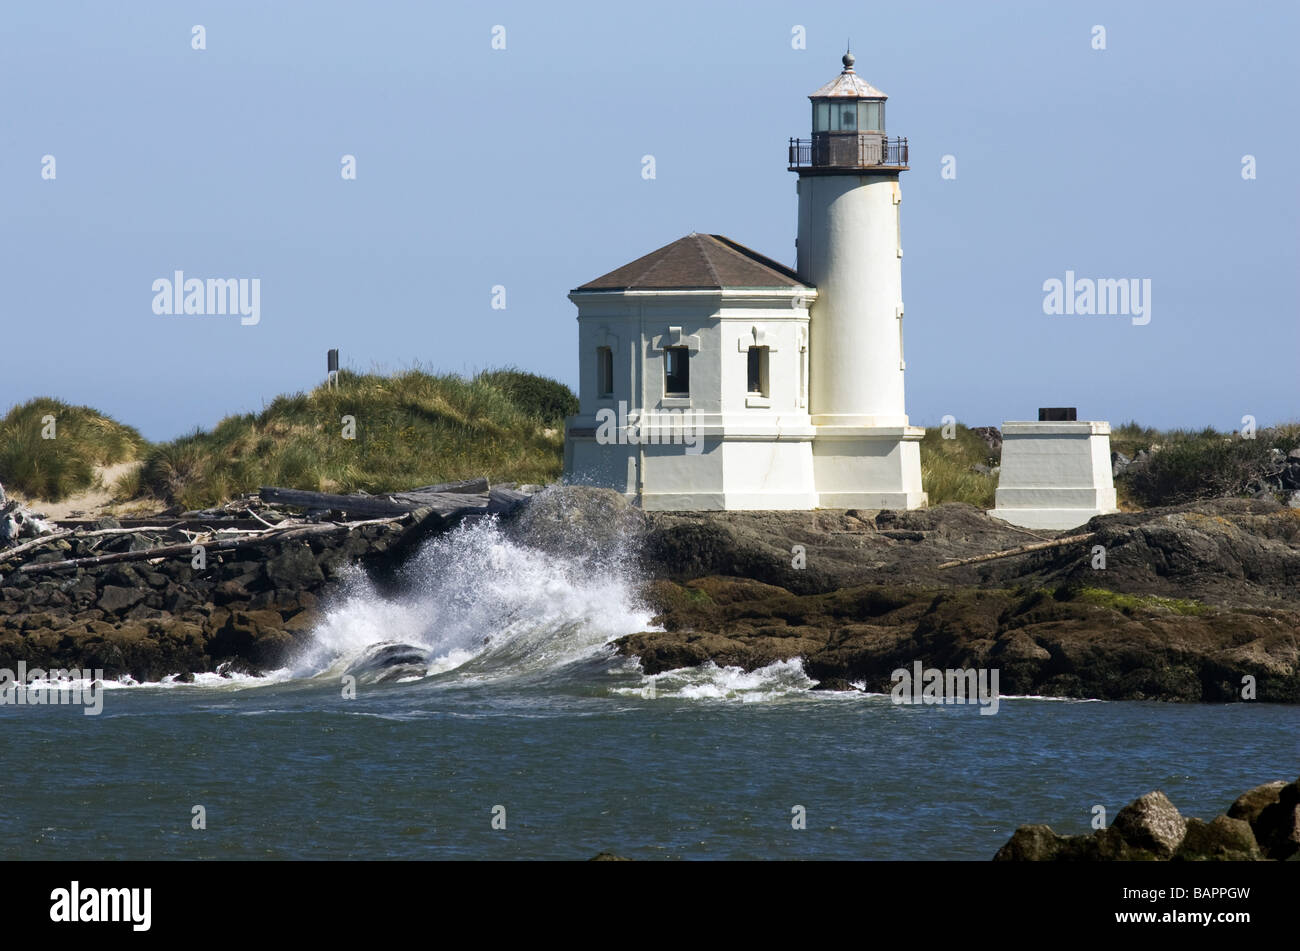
x: 50, y: 449
x: 416, y: 428
x: 410, y: 429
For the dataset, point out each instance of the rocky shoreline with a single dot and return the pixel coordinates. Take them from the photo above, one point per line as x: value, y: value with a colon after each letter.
x: 1191, y: 599
x: 244, y: 611
x: 1262, y: 824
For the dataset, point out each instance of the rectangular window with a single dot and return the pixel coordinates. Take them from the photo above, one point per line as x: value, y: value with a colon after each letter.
x: 898, y: 222
x: 604, y: 371
x: 677, y: 371
x: 758, y: 371
x: 869, y: 116
x: 821, y: 116
x: 844, y: 116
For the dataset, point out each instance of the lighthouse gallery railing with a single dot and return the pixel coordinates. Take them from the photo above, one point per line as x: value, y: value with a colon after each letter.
x: 848, y: 151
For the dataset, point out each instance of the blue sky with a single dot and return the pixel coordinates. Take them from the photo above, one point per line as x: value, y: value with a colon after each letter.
x: 522, y: 167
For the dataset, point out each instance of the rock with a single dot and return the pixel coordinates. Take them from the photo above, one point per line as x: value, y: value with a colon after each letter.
x: 1251, y: 803
x: 1150, y: 828
x: 1032, y: 843
x: 124, y: 575
x: 257, y: 637
x: 607, y: 857
x: 230, y: 590
x: 1118, y: 463
x: 1223, y: 840
x: 991, y: 435
x: 834, y: 683
x: 1153, y: 823
x: 114, y: 599
x: 293, y: 569
x: 1277, y: 827
x: 176, y: 599
x: 301, y: 622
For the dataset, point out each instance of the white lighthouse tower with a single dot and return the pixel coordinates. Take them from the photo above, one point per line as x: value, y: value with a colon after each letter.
x: 865, y: 454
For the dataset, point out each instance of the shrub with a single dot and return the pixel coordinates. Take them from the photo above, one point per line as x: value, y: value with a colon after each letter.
x: 1183, y: 466
x: 548, y: 400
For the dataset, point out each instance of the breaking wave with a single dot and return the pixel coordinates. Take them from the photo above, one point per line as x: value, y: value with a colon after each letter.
x: 483, y: 604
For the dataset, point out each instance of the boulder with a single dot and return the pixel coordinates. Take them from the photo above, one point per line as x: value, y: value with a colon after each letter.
x: 1251, y: 803
x: 294, y: 568
x: 1277, y: 827
x: 1153, y: 823
x: 1223, y: 840
x: 115, y: 599
x: 1031, y: 843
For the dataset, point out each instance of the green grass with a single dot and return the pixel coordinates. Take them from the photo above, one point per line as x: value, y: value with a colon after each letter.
x: 411, y: 429
x: 1135, y: 603
x: 54, y: 468
x: 947, y: 472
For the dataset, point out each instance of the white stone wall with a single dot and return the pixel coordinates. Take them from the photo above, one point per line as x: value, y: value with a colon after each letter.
x: 754, y: 452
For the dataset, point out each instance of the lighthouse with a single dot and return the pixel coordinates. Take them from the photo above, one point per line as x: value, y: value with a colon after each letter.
x: 850, y: 248
x: 715, y: 378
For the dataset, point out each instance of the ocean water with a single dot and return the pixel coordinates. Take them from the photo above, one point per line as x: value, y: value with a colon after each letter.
x: 504, y: 726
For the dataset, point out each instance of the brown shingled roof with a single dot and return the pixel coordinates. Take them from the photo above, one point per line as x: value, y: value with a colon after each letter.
x: 697, y: 262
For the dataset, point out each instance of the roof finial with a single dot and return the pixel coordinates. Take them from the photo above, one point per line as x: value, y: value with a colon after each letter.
x: 848, y: 59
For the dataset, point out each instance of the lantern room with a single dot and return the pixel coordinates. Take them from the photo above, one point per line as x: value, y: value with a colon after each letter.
x: 848, y: 104
x: 848, y: 127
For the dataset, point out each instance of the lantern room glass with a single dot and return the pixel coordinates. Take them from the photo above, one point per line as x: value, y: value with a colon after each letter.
x: 852, y: 115
x: 871, y: 116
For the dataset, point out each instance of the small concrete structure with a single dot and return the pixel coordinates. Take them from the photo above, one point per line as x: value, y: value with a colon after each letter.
x: 1055, y: 474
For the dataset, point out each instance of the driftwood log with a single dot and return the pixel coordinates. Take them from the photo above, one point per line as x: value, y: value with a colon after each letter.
x: 220, y: 544
x: 447, y: 500
x: 428, y: 507
x: 1023, y: 549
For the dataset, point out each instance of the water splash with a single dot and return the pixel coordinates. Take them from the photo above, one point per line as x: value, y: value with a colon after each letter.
x: 482, y: 603
x: 783, y: 678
